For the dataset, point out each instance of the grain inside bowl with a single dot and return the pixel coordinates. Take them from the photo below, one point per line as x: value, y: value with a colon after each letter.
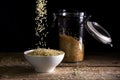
x: 45, y: 52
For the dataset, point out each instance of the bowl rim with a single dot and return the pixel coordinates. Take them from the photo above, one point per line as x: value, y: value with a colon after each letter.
x: 27, y: 51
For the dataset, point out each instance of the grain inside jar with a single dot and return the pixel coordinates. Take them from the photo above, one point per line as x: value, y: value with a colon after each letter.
x: 74, y: 49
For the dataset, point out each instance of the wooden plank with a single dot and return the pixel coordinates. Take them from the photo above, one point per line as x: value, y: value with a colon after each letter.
x: 95, y: 67
x: 60, y: 73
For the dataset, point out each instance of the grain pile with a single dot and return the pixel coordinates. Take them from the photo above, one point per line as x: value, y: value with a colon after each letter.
x: 45, y: 52
x: 74, y: 50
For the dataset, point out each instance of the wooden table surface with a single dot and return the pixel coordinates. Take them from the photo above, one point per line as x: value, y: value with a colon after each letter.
x: 102, y: 66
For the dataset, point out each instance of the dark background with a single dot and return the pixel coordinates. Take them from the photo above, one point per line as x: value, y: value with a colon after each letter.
x: 17, y: 22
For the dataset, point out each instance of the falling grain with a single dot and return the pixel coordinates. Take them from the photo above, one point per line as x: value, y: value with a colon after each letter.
x: 41, y: 22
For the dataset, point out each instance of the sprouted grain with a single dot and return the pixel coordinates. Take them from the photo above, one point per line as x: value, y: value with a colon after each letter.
x: 45, y: 52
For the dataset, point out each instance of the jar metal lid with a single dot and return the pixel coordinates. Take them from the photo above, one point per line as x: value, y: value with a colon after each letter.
x: 98, y: 32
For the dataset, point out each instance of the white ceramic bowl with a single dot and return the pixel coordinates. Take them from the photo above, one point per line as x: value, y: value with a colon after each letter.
x: 43, y: 63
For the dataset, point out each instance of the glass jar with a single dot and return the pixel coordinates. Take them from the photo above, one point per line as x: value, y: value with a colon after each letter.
x: 71, y: 27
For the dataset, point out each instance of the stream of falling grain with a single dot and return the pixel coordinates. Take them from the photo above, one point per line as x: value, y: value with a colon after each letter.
x: 41, y: 30
x: 41, y: 23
